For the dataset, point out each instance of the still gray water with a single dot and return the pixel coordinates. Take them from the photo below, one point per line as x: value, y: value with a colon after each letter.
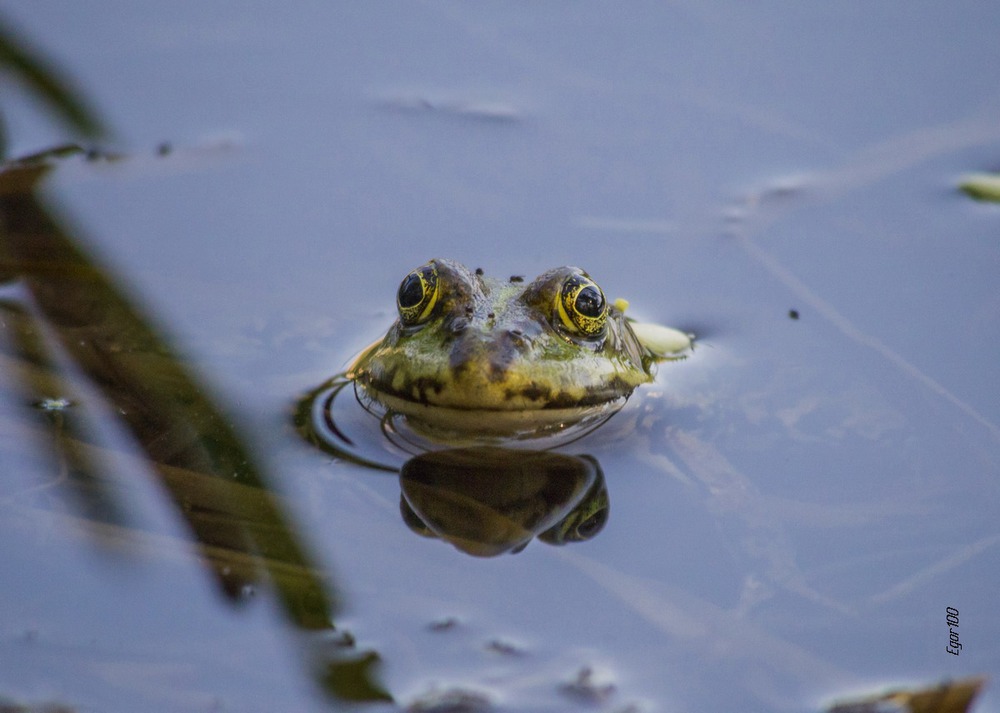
x: 791, y: 514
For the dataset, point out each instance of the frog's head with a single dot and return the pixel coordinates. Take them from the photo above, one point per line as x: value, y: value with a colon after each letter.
x: 475, y: 354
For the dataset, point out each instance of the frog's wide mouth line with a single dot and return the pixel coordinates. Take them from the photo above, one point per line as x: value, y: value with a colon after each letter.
x: 495, y: 421
x: 477, y: 396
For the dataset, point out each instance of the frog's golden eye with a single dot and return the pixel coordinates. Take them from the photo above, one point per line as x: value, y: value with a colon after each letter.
x: 418, y: 293
x: 581, y: 306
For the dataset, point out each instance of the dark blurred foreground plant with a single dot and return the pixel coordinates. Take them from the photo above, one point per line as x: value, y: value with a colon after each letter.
x: 81, y: 358
x: 41, y: 78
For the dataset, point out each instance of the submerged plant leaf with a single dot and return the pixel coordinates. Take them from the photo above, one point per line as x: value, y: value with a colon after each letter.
x: 982, y: 186
x: 947, y: 697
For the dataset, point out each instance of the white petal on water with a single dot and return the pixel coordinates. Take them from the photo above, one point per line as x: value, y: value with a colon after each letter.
x: 982, y: 186
x: 661, y: 340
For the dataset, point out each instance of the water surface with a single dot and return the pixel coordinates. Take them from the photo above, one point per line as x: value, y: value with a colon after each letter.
x: 792, y: 509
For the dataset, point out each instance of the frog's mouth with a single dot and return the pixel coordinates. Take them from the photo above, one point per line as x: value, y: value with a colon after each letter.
x: 515, y: 393
x: 445, y: 420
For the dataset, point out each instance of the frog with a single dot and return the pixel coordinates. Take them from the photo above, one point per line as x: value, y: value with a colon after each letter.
x: 476, y: 355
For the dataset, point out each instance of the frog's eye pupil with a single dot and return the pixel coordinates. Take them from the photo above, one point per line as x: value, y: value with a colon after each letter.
x: 411, y: 291
x: 582, y: 308
x: 590, y: 302
x: 418, y: 293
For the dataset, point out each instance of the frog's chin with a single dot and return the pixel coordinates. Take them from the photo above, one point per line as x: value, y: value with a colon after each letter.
x: 450, y: 424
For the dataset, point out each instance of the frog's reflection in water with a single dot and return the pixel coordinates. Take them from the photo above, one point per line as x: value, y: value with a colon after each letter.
x: 485, y: 498
x: 489, y: 500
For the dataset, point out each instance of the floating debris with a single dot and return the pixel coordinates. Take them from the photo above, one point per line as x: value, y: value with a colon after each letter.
x: 452, y: 700
x: 47, y: 404
x: 780, y: 189
x: 982, y: 186
x: 504, y: 648
x: 947, y: 697
x: 341, y: 639
x: 489, y: 110
x: 445, y: 624
x: 662, y: 341
x: 587, y: 690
